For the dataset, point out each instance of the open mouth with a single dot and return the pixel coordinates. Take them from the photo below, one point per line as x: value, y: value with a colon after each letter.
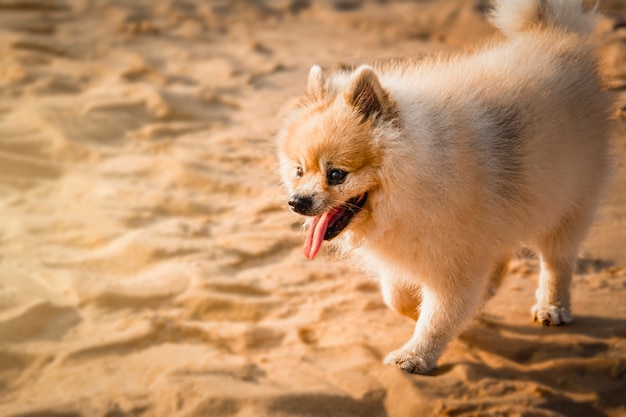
x: 329, y: 224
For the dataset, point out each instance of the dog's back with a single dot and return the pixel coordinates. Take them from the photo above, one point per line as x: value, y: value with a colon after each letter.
x: 561, y: 97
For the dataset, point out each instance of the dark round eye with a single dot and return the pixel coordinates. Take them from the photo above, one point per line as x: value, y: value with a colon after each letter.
x: 336, y: 176
x: 299, y: 172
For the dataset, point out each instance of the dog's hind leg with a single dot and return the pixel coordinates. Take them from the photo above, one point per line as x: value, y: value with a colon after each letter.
x: 496, y: 276
x: 558, y: 259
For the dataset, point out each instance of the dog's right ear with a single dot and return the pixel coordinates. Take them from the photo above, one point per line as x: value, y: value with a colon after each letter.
x: 316, y: 82
x: 367, y: 96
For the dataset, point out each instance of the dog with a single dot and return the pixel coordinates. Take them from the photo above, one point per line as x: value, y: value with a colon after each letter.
x: 433, y: 173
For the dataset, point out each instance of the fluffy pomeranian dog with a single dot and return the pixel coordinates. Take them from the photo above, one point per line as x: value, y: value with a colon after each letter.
x: 434, y: 172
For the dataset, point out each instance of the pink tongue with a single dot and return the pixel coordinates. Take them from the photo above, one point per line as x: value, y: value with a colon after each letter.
x: 315, y: 237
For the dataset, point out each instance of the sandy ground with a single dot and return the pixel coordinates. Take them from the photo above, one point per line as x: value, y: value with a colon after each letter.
x: 149, y: 265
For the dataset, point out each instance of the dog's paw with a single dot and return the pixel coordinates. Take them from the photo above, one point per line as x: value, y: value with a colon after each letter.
x: 409, y: 362
x: 551, y: 315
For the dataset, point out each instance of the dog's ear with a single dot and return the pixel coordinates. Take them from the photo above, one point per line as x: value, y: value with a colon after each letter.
x: 367, y: 96
x: 316, y: 82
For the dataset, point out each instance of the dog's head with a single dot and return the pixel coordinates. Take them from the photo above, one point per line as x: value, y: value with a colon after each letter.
x: 330, y: 151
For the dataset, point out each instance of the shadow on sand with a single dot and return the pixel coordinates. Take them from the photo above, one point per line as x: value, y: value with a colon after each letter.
x: 573, y: 368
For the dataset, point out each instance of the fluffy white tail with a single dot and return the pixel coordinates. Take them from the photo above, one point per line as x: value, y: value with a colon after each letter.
x: 512, y: 16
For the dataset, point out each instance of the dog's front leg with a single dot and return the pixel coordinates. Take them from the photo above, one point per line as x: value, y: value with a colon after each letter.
x: 404, y: 299
x: 444, y: 310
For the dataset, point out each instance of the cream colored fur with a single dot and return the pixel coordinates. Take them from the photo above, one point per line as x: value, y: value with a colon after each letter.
x: 463, y: 160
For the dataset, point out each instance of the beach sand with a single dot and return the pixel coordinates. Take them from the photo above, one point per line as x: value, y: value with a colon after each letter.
x: 150, y: 265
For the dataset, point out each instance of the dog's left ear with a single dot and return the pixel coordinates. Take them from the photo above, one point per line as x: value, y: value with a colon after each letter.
x: 368, y: 97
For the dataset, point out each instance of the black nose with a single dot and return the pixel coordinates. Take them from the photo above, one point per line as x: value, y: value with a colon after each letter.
x: 301, y: 205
